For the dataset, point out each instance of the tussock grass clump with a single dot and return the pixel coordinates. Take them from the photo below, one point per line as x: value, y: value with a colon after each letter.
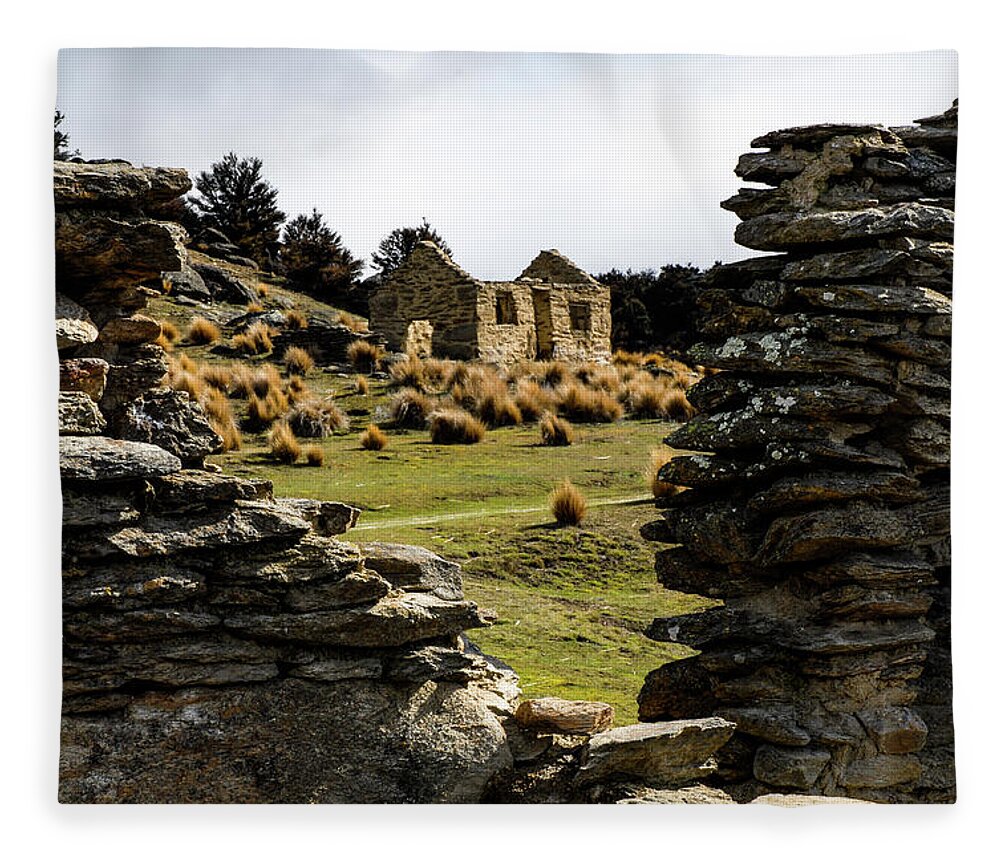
x: 285, y: 447
x: 458, y: 374
x: 658, y: 458
x: 411, y: 408
x: 255, y: 308
x: 314, y: 455
x: 255, y: 340
x: 169, y: 335
x: 455, y: 427
x: 409, y: 372
x: 628, y: 359
x: 373, y: 439
x: 358, y: 325
x: 202, y: 332
x: 437, y: 371
x: 361, y: 384
x: 497, y: 408
x: 646, y: 398
x: 183, y: 376
x: 533, y: 399
x: 220, y: 417
x: 568, y: 504
x: 298, y: 360
x: 217, y: 376
x: 364, y: 355
x: 263, y: 411
x: 555, y: 431
x: 316, y: 419
x: 676, y: 405
x: 296, y: 390
x: 553, y: 373
x: 585, y: 405
x: 263, y: 290
x: 296, y: 320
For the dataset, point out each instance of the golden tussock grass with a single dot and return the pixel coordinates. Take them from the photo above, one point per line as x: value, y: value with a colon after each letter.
x: 585, y: 405
x: 317, y: 419
x: 455, y: 427
x: 255, y: 340
x: 220, y: 417
x: 202, y: 332
x: 494, y: 404
x: 255, y: 308
x: 358, y: 325
x: 263, y: 290
x: 373, y: 439
x: 410, y: 408
x: 284, y: 446
x: 364, y: 355
x: 314, y: 455
x: 676, y: 405
x: 296, y: 390
x: 568, y: 504
x: 555, y: 431
x: 262, y: 411
x: 169, y: 332
x: 217, y: 376
x: 298, y: 360
x: 361, y: 384
x: 658, y: 458
x: 296, y: 320
x: 533, y: 399
x: 408, y: 372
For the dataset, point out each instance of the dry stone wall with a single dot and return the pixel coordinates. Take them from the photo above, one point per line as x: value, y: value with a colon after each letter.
x: 819, y: 512
x: 221, y: 645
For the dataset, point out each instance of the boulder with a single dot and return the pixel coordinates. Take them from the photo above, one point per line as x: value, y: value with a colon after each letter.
x: 115, y: 184
x: 98, y: 458
x: 74, y: 327
x: 225, y: 286
x: 173, y: 421
x: 79, y: 415
x: 87, y: 375
x: 131, y: 330
x: 326, y: 518
x: 789, y: 768
x: 186, y: 283
x: 414, y: 568
x: 565, y: 717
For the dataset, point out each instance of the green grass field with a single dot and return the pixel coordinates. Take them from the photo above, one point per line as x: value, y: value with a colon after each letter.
x: 571, y: 603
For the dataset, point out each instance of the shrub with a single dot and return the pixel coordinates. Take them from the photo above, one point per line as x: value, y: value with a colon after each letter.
x: 373, y: 439
x: 676, y: 405
x: 314, y: 455
x: 316, y: 419
x: 220, y: 417
x: 364, y: 355
x: 295, y: 319
x: 408, y: 372
x: 262, y: 411
x: 202, y: 332
x: 255, y: 340
x: 411, y: 408
x: 583, y: 404
x: 658, y: 458
x: 284, y: 446
x: 297, y: 360
x: 455, y: 426
x: 555, y: 431
x: 568, y: 504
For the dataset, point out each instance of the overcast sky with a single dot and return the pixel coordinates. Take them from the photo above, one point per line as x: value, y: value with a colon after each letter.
x: 616, y: 160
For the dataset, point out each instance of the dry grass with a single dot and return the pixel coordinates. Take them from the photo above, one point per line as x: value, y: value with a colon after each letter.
x: 568, y: 504
x: 364, y: 355
x: 296, y: 390
x: 373, y: 439
x: 555, y: 431
x: 455, y: 427
x: 169, y: 334
x: 553, y: 373
x: 361, y: 384
x: 409, y: 372
x: 585, y: 405
x: 676, y: 405
x: 262, y: 411
x: 314, y: 455
x: 356, y: 324
x: 263, y: 290
x: 658, y: 458
x: 317, y: 419
x: 202, y: 332
x: 181, y: 379
x: 411, y: 408
x: 255, y: 340
x: 437, y: 371
x: 295, y: 319
x: 285, y: 447
x: 220, y: 416
x: 298, y: 360
x: 255, y: 308
x: 533, y: 399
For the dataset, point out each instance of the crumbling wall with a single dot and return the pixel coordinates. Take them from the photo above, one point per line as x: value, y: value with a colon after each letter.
x: 221, y: 645
x: 819, y: 513
x: 428, y: 286
x: 505, y: 342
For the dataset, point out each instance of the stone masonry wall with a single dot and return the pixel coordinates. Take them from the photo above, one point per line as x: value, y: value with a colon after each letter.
x: 819, y: 513
x: 221, y: 645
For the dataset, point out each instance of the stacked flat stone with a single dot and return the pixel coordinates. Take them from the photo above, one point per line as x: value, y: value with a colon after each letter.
x: 819, y: 512
x: 221, y: 645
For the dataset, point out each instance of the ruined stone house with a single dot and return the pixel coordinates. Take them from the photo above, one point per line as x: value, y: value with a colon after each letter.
x: 553, y: 309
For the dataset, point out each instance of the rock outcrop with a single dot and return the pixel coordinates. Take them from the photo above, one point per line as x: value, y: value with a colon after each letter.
x: 221, y: 645
x: 819, y: 512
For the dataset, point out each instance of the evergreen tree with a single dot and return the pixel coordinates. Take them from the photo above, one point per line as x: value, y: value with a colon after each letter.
x: 315, y: 258
x: 237, y: 200
x: 399, y: 244
x: 60, y: 147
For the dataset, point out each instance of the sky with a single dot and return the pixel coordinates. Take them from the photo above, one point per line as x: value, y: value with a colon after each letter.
x: 617, y: 160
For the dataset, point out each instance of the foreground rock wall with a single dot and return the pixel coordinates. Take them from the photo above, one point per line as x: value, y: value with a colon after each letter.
x: 821, y: 515
x: 221, y: 645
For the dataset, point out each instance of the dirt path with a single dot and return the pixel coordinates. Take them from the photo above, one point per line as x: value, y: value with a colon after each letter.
x: 443, y: 518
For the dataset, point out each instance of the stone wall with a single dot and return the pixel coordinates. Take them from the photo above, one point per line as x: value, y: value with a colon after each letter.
x: 821, y: 515
x: 221, y: 645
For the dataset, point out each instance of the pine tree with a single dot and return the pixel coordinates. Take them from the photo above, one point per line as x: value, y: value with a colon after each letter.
x: 399, y: 244
x: 315, y: 258
x: 60, y: 147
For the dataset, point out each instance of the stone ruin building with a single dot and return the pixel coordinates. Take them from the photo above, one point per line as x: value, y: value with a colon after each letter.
x: 553, y: 309
x: 224, y: 645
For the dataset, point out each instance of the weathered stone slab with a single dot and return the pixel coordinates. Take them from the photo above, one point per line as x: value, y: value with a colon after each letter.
x: 562, y: 716
x: 195, y: 488
x: 88, y: 375
x: 124, y: 587
x: 74, y: 327
x: 358, y: 587
x: 83, y: 509
x: 882, y: 771
x: 867, y: 298
x: 79, y: 415
x: 414, y: 568
x: 116, y: 184
x: 327, y: 518
x: 816, y: 135
x: 658, y: 754
x: 895, y: 730
x: 98, y: 458
x: 862, y: 264
x: 131, y: 330
x: 834, y: 488
x: 777, y: 725
x: 791, y: 768
x: 173, y: 421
